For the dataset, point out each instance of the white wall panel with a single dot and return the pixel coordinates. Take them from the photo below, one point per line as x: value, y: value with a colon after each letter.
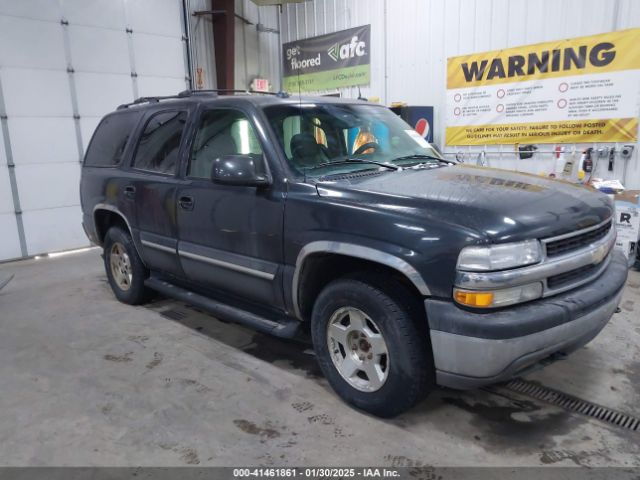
x: 36, y: 93
x: 10, y: 245
x: 419, y: 35
x: 40, y: 96
x: 34, y: 9
x: 158, y: 17
x: 158, y: 56
x: 3, y: 157
x: 100, y: 93
x: 150, y: 86
x: 45, y: 186
x: 32, y: 139
x: 6, y: 201
x: 99, y: 50
x: 54, y: 229
x: 44, y: 41
x: 95, y: 13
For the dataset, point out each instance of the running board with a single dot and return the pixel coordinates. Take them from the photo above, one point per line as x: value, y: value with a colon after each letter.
x: 286, y: 328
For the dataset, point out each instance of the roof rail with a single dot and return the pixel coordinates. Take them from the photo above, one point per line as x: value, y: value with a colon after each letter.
x: 189, y: 93
x: 141, y: 100
x: 224, y: 91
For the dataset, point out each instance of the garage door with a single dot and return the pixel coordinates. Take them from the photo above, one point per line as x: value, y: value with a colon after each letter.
x: 63, y: 65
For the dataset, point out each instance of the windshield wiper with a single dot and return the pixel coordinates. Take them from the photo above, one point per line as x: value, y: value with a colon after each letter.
x: 423, y: 156
x: 351, y: 160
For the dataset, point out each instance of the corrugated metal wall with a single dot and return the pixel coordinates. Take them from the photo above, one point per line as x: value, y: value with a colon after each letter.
x: 411, y: 40
x: 201, y: 36
x: 256, y: 48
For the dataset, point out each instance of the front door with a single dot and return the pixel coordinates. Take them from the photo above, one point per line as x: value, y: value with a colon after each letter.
x: 230, y: 237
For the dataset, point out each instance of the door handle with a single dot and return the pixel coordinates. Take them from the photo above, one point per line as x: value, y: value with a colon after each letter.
x: 186, y: 202
x: 130, y: 191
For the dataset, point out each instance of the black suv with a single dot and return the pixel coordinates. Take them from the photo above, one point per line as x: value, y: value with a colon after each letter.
x: 334, y: 217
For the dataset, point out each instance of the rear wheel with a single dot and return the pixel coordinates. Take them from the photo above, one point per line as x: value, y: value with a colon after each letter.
x: 125, y: 271
x: 370, y: 346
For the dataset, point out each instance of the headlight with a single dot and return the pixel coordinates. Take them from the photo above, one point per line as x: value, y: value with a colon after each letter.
x: 500, y: 256
x: 498, y: 298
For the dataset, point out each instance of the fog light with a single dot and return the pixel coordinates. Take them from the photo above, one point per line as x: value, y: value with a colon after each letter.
x: 497, y: 298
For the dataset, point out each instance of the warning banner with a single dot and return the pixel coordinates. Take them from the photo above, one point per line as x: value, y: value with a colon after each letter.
x: 616, y: 130
x: 579, y: 90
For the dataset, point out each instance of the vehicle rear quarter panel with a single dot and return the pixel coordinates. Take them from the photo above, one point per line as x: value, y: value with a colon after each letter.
x: 102, y: 186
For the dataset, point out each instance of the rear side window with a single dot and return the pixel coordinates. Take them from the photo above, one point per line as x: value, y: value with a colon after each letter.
x: 110, y: 139
x: 159, y: 143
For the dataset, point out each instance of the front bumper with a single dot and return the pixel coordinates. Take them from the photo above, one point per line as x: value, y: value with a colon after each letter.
x: 473, y: 349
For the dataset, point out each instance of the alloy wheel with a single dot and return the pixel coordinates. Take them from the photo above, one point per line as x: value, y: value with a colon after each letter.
x: 120, y: 266
x: 358, y: 349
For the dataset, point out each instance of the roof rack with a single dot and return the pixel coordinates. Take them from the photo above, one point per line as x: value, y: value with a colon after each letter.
x: 141, y: 100
x: 224, y: 91
x: 189, y: 93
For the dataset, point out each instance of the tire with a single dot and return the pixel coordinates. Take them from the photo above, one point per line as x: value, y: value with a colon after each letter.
x: 405, y: 374
x: 125, y: 271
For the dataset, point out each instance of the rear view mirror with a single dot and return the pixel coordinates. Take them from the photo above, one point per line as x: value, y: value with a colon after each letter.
x: 243, y: 170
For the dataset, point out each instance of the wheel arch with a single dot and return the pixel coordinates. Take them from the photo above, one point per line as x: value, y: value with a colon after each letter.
x: 104, y: 217
x: 344, y: 258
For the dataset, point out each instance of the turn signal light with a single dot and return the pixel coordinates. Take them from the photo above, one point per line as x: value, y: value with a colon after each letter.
x: 473, y: 299
x: 498, y: 298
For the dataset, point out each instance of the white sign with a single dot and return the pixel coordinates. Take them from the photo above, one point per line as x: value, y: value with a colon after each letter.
x: 628, y: 229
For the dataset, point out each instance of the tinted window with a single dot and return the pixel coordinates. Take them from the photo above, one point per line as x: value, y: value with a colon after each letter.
x: 221, y: 132
x: 160, y: 142
x: 110, y: 139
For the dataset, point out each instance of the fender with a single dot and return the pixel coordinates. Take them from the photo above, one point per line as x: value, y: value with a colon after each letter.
x: 356, y: 251
x: 111, y: 208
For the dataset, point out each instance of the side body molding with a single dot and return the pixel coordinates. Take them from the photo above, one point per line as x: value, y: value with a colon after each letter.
x: 356, y: 251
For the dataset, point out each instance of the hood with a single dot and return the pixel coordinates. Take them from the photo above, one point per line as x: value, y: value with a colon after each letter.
x: 498, y: 204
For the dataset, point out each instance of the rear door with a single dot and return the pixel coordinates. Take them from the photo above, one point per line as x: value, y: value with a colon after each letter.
x: 152, y: 187
x: 230, y: 236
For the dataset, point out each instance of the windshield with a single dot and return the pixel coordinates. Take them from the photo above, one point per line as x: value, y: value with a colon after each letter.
x: 328, y: 139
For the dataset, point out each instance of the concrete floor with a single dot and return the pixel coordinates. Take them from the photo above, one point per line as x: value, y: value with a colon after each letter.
x: 86, y: 380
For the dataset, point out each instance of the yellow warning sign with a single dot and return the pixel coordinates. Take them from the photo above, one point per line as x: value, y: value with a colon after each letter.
x: 574, y: 90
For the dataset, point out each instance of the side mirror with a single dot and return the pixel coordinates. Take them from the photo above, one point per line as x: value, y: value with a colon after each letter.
x: 242, y: 170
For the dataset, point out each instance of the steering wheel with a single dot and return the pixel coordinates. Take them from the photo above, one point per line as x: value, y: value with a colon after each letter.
x: 366, y: 146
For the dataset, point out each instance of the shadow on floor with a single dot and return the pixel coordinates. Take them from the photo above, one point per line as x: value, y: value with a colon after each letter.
x: 501, y: 419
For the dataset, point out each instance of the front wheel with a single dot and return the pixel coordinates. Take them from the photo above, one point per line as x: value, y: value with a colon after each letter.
x: 125, y: 271
x: 370, y: 346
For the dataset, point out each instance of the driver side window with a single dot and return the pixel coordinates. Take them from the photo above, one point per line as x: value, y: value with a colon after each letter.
x: 221, y: 132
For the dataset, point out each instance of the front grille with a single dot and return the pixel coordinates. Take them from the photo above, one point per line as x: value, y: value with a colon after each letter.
x: 562, y: 279
x: 566, y: 245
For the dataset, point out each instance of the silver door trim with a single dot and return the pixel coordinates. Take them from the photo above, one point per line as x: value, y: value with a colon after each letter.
x: 230, y: 266
x: 157, y: 246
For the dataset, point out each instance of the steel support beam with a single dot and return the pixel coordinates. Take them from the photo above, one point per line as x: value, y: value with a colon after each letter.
x: 224, y: 41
